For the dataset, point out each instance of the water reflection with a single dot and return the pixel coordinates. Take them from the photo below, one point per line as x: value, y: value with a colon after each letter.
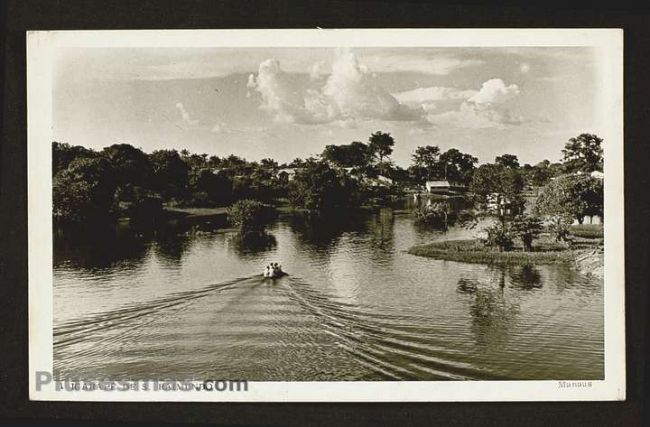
x: 251, y: 245
x: 317, y: 233
x: 170, y: 248
x: 381, y: 228
x: 493, y: 314
x: 525, y: 277
x: 106, y: 247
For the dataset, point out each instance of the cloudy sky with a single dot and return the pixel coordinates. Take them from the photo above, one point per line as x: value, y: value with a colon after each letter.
x: 291, y: 102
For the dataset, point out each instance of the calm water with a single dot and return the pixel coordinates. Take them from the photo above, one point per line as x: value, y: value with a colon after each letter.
x: 355, y: 307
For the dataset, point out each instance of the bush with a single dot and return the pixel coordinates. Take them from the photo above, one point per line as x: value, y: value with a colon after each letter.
x: 560, y: 227
x: 250, y: 215
x: 499, y: 236
x: 527, y: 228
x: 435, y: 215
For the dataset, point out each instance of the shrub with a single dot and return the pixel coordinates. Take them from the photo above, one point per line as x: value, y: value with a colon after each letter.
x: 499, y: 236
x: 250, y: 215
x: 560, y: 227
x: 435, y: 215
x: 527, y: 228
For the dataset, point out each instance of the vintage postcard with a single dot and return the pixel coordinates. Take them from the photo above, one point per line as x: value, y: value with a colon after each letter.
x: 326, y: 215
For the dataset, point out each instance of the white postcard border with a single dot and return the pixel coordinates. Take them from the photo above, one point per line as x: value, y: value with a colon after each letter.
x: 40, y: 48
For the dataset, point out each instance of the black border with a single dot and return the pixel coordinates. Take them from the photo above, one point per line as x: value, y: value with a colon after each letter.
x: 19, y: 16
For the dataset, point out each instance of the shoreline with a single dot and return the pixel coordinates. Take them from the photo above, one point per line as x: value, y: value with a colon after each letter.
x: 588, y: 257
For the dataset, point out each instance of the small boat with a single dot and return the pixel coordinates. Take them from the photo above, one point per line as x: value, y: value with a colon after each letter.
x: 273, y: 270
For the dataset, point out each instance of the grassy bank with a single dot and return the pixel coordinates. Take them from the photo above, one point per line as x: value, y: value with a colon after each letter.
x: 473, y: 251
x: 587, y: 231
x: 196, y: 212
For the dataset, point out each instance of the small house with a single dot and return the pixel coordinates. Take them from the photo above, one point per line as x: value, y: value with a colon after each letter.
x: 384, y: 179
x: 444, y: 187
x: 285, y: 175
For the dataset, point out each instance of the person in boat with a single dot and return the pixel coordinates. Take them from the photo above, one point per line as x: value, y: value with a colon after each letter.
x: 273, y: 270
x: 278, y: 269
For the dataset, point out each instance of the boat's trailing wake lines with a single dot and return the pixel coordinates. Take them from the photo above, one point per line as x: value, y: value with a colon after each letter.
x: 134, y: 316
x: 385, y: 348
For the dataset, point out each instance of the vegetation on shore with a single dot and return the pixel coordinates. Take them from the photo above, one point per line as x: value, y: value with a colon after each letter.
x: 122, y: 181
x: 546, y: 251
x: 475, y: 251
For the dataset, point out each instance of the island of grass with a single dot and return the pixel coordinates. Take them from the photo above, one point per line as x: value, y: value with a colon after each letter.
x: 586, y: 243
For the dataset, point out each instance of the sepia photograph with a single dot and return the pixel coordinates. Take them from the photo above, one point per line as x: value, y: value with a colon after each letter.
x: 321, y: 215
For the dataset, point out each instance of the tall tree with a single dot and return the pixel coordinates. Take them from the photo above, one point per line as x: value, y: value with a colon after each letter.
x: 508, y: 161
x: 583, y: 153
x: 381, y: 145
x: 170, y: 173
x: 355, y: 154
x: 132, y: 166
x: 426, y: 161
x: 458, y: 166
x: 500, y: 185
x: 575, y: 196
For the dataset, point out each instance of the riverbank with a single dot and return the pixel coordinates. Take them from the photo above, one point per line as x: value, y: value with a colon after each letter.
x: 585, y: 251
x: 473, y: 251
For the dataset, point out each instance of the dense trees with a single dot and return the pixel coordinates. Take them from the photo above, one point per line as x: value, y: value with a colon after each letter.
x: 498, y: 186
x: 132, y: 168
x: 84, y: 191
x: 122, y: 178
x: 63, y: 154
x: 458, y: 166
x: 507, y: 161
x: 430, y: 164
x: 583, y: 153
x: 170, y: 173
x: 572, y: 196
x: 355, y: 154
x: 318, y: 187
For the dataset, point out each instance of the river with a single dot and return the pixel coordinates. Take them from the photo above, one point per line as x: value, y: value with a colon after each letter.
x: 355, y: 306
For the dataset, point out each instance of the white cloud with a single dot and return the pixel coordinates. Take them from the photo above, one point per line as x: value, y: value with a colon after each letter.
x: 472, y: 116
x: 524, y: 67
x: 494, y: 91
x: 279, y: 94
x: 185, y: 115
x: 482, y: 110
x: 424, y: 95
x: 349, y: 94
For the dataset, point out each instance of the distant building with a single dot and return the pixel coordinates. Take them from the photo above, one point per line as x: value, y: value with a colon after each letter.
x: 287, y: 174
x: 597, y: 175
x: 594, y: 174
x: 444, y: 187
x: 380, y: 181
x: 384, y: 179
x: 497, y: 202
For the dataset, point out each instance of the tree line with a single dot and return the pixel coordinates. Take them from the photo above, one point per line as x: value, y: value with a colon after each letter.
x: 123, y: 180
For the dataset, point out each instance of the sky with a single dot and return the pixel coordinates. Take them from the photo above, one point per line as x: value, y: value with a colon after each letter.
x: 292, y: 102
